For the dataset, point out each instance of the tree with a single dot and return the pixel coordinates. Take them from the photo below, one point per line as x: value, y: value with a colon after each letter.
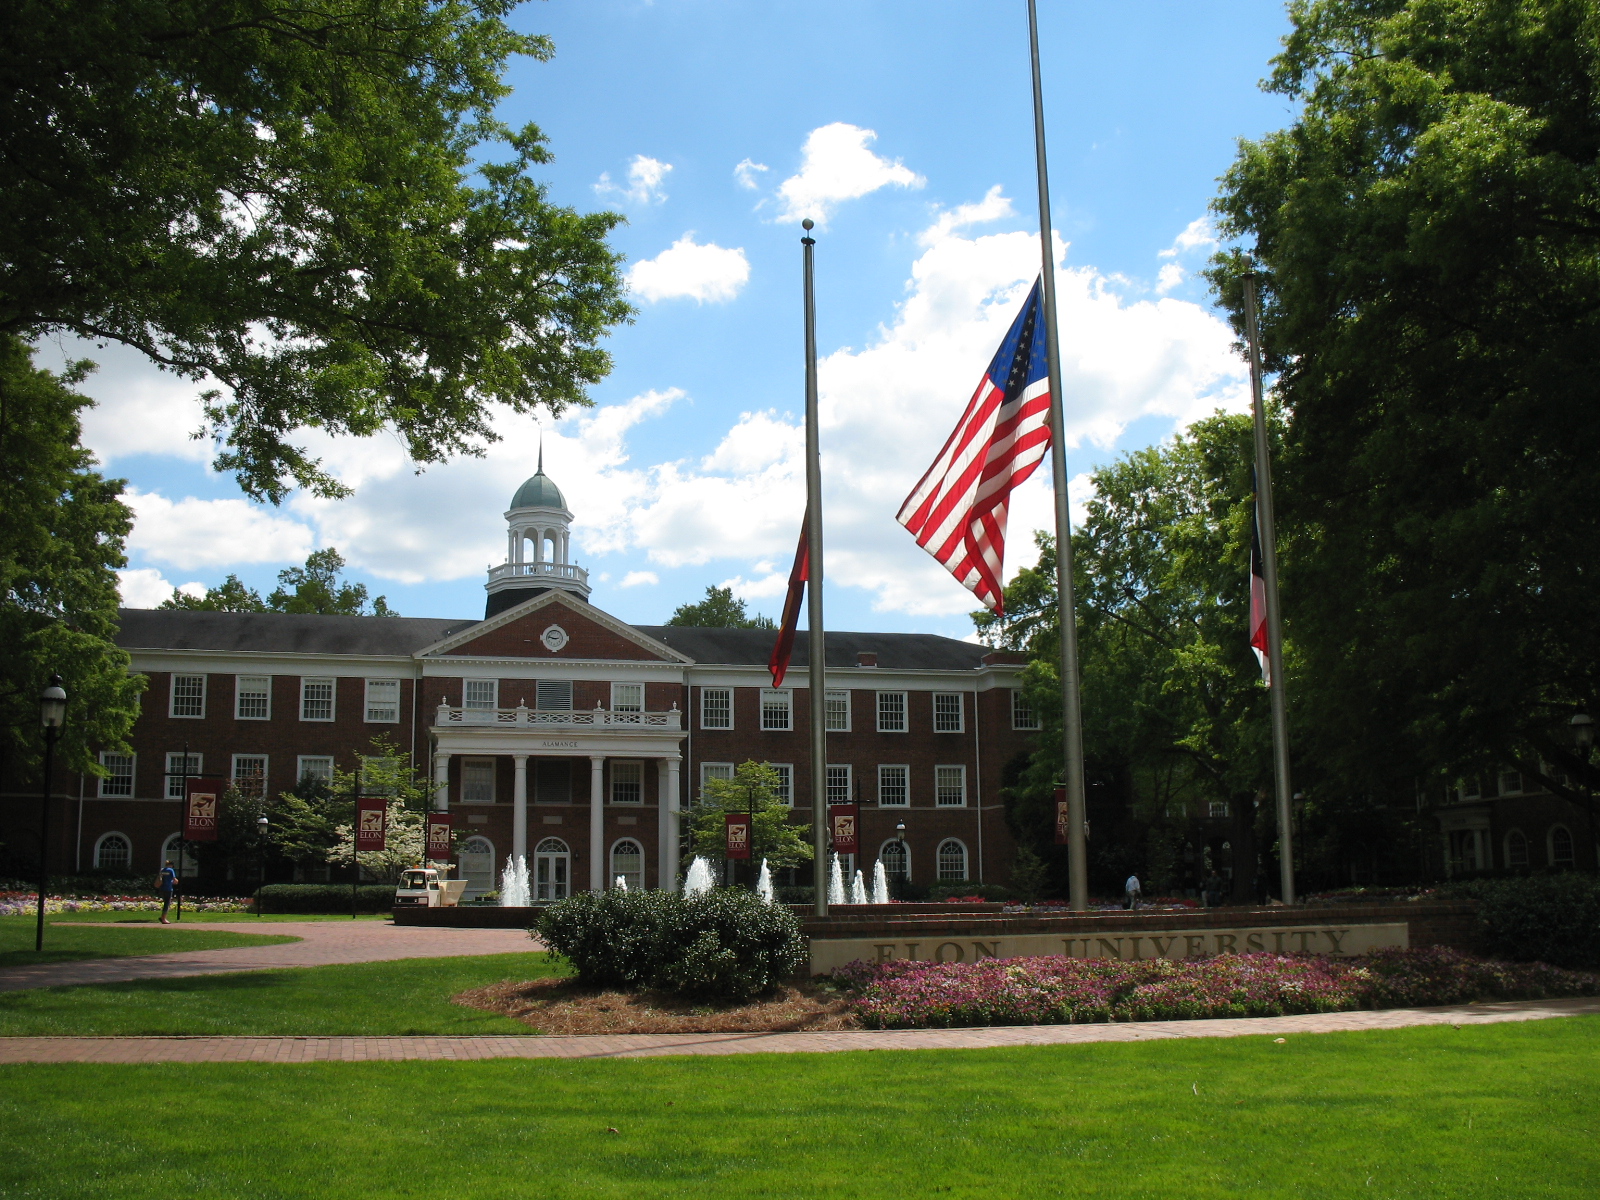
x: 316, y: 586
x: 1428, y: 236
x: 754, y: 790
x: 281, y: 196
x: 60, y: 543
x: 231, y: 595
x: 719, y: 610
x: 387, y: 771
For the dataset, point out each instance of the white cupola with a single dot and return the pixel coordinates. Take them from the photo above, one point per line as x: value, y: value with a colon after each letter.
x: 538, y: 547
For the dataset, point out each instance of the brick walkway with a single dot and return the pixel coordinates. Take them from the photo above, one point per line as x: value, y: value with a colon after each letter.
x: 395, y: 1049
x: 323, y: 943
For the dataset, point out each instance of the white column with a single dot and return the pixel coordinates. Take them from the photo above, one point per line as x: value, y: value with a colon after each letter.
x: 665, y: 868
x: 669, y: 878
x: 441, y: 783
x: 597, y: 824
x: 519, y: 808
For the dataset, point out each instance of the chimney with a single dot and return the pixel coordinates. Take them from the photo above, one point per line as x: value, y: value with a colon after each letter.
x: 866, y: 658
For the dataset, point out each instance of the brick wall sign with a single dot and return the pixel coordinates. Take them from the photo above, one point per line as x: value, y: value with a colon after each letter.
x: 201, y: 808
x: 1177, y: 943
x: 439, y: 824
x: 371, y: 824
x: 737, y: 830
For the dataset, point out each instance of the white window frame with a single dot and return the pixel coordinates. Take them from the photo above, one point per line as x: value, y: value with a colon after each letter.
x: 611, y: 863
x: 905, y: 713
x: 620, y: 701
x: 849, y: 784
x: 1470, y: 788
x: 300, y: 767
x: 775, y: 701
x: 480, y: 695
x: 829, y: 701
x: 545, y: 853
x: 173, y: 781
x: 885, y: 772
x: 332, y: 700
x: 1509, y: 857
x: 172, y: 698
x: 904, y: 845
x: 372, y: 706
x: 173, y: 850
x: 938, y: 862
x: 479, y: 762
x: 960, y: 725
x: 465, y: 848
x: 264, y: 693
x: 714, y: 770
x: 785, y: 782
x: 1022, y: 714
x: 726, y: 695
x: 100, y: 842
x: 1500, y: 783
x: 233, y: 773
x: 1550, y: 847
x: 939, y: 785
x: 1218, y: 809
x: 113, y: 793
x: 619, y: 787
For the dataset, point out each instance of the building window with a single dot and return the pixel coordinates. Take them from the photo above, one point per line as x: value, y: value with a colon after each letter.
x: 476, y: 859
x: 482, y: 695
x: 894, y: 787
x: 113, y: 852
x: 716, y: 708
x: 383, y: 701
x: 952, y: 860
x: 315, y: 767
x: 1560, y: 846
x: 627, y: 863
x: 627, y: 782
x: 950, y: 786
x: 785, y: 772
x: 552, y: 781
x: 896, y: 860
x: 553, y: 695
x: 891, y: 712
x: 252, y: 697
x: 1470, y: 788
x: 189, y: 695
x: 948, y: 711
x: 1218, y: 808
x: 1511, y: 783
x: 477, y: 780
x: 839, y: 789
x: 1516, y: 849
x: 180, y: 769
x: 118, y: 779
x: 175, y: 852
x: 710, y: 771
x: 316, y: 699
x: 627, y: 697
x: 1022, y: 714
x: 836, y: 711
x: 250, y: 775
x: 552, y: 870
x: 777, y: 709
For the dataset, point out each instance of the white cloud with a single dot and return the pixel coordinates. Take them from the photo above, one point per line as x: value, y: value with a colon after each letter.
x: 639, y: 579
x: 146, y: 587
x: 836, y: 165
x: 645, y: 177
x: 1196, y: 234
x: 1170, y: 276
x: 192, y: 533
x: 992, y: 207
x: 687, y: 269
x: 747, y: 170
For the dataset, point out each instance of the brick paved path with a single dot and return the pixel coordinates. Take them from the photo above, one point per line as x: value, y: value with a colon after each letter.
x: 394, y: 1049
x: 323, y: 943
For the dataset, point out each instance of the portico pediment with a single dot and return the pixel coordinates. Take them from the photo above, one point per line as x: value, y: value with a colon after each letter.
x: 552, y: 628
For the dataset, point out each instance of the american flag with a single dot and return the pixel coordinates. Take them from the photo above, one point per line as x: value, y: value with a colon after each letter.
x: 957, y: 512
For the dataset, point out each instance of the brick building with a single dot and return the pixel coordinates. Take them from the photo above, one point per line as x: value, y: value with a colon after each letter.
x: 552, y: 729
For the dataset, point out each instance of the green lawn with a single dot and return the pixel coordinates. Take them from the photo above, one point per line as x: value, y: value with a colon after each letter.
x: 65, y: 941
x: 190, y: 916
x: 1486, y: 1111
x: 403, y: 997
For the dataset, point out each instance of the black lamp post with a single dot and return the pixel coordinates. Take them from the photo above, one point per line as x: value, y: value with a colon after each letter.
x: 1582, y: 726
x: 905, y: 850
x: 52, y: 715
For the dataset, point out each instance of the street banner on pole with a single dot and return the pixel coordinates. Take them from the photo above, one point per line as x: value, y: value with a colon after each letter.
x: 846, y: 836
x: 1063, y: 818
x: 737, y: 831
x: 202, y: 798
x: 439, y: 826
x: 371, y: 824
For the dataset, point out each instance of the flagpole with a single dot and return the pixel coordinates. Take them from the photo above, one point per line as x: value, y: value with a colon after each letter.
x: 1278, y: 688
x: 816, y: 659
x: 1071, y: 700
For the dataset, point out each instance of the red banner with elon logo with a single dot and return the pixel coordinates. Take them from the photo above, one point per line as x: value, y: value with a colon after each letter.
x: 439, y: 824
x: 1063, y: 821
x: 737, y: 831
x: 201, y: 808
x: 372, y: 818
x: 846, y: 836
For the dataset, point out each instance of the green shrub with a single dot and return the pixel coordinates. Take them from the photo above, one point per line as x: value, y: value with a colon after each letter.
x: 1539, y: 918
x: 939, y: 892
x: 323, y: 898
x: 726, y: 944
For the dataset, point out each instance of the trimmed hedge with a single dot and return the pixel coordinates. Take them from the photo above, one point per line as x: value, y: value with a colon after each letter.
x: 1539, y: 918
x: 323, y: 898
x: 725, y: 944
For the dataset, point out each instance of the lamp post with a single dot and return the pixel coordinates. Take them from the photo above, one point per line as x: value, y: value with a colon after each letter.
x: 905, y: 850
x: 52, y: 716
x: 1582, y: 726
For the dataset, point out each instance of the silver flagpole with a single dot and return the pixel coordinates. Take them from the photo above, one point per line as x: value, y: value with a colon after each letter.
x: 1278, y: 689
x: 1071, y: 700
x: 815, y: 654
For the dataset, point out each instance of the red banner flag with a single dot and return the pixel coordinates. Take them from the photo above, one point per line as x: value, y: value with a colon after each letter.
x: 439, y: 824
x: 371, y: 824
x: 798, y: 574
x: 201, y: 808
x: 846, y: 835
x: 738, y: 834
x: 1258, y: 592
x: 1063, y: 821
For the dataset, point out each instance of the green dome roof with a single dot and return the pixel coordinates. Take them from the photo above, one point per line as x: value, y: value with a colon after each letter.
x: 538, y: 492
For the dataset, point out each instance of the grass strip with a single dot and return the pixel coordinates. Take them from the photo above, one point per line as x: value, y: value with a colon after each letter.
x: 1485, y: 1111
x: 200, y: 918
x: 69, y: 942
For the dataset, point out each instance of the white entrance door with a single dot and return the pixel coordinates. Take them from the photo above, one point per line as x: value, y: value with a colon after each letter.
x: 552, y: 870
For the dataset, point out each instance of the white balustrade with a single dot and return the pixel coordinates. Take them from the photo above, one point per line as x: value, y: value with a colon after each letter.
x: 537, y: 718
x: 519, y: 570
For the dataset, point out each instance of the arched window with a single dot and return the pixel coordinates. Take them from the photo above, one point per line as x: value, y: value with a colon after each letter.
x: 552, y: 870
x: 896, y: 859
x: 1560, y: 846
x: 115, y: 852
x: 1516, y: 849
x: 627, y: 861
x: 186, y: 866
x: 952, y: 860
x: 476, y: 859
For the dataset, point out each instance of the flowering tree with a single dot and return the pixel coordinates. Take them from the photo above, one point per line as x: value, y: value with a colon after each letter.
x: 386, y: 772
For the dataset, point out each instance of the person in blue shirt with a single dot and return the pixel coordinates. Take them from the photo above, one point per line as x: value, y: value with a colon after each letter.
x: 168, y: 884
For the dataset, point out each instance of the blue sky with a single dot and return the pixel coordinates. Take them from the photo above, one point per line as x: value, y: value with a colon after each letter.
x: 904, y: 126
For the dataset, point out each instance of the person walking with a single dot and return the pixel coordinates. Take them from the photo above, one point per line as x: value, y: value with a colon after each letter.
x: 167, y: 885
x: 1131, y: 892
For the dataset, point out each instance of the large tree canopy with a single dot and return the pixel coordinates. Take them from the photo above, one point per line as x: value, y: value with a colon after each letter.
x: 719, y: 610
x: 1428, y: 232
x: 277, y: 194
x: 317, y: 587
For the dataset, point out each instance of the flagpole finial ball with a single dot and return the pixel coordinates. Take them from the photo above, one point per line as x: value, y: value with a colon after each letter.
x: 808, y: 224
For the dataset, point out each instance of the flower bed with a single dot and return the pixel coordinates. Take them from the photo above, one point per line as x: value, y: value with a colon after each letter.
x: 25, y: 904
x: 1058, y: 990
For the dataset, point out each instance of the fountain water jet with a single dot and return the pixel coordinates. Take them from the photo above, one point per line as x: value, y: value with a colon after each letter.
x: 880, y: 884
x: 514, y: 884
x: 699, y: 878
x: 764, y: 887
x: 858, y: 890
x: 835, y: 881
x: 621, y: 883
